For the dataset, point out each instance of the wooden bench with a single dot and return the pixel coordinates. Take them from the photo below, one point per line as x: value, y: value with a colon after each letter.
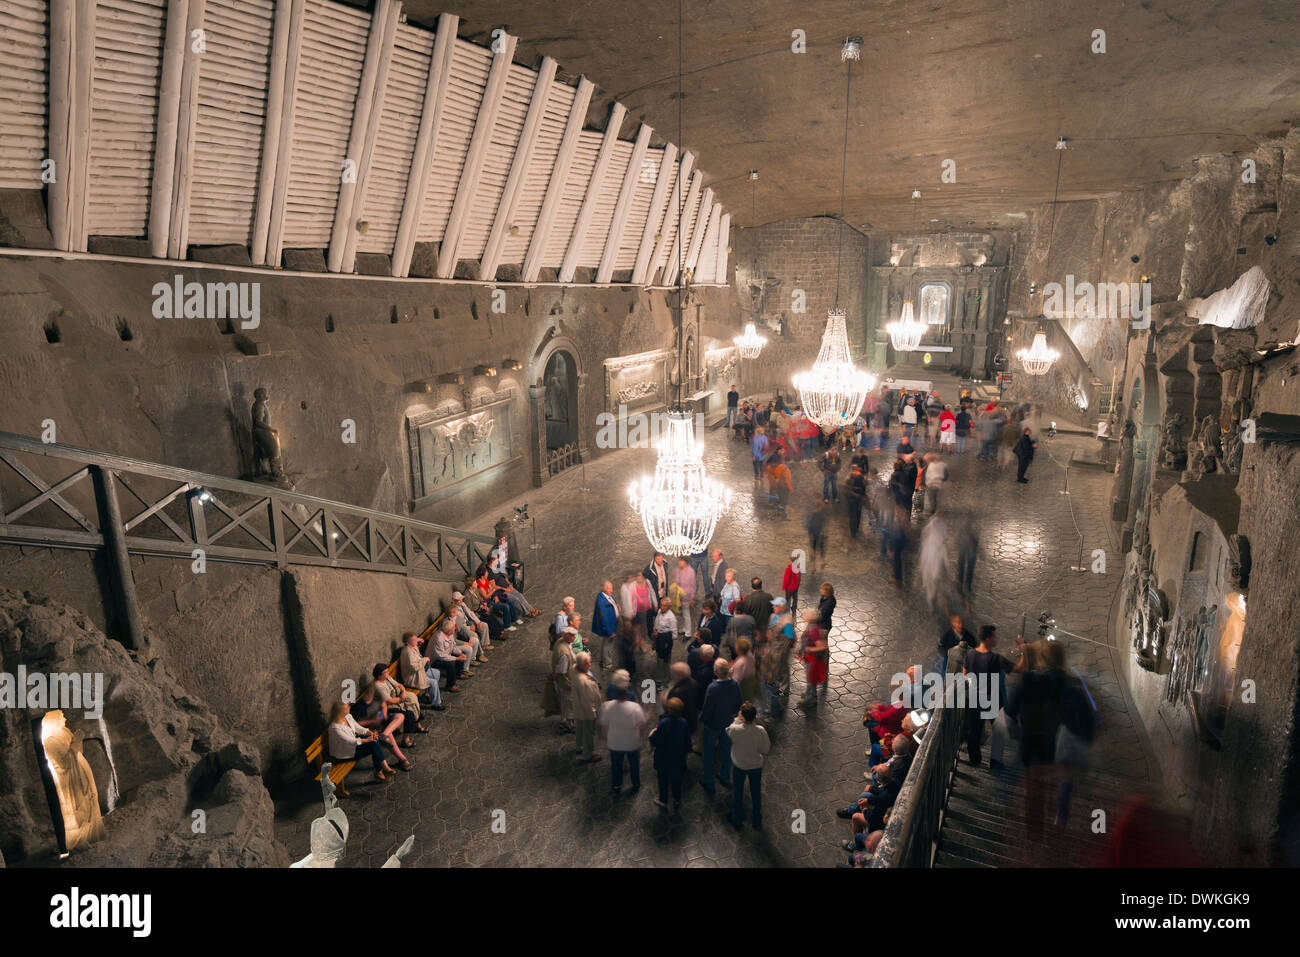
x: 315, y: 752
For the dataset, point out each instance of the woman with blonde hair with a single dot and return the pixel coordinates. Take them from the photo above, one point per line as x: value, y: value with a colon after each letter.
x: 348, y: 741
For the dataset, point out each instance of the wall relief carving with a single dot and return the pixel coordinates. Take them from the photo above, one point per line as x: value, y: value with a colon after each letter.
x: 637, y: 382
x: 449, y: 447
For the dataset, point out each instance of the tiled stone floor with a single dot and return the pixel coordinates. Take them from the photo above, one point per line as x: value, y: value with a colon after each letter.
x: 493, y: 752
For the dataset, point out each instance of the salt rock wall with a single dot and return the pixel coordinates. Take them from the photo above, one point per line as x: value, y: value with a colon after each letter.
x: 172, y: 755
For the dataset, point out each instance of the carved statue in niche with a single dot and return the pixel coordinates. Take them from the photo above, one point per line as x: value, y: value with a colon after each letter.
x: 74, y: 782
x: 1190, y: 652
x: 1148, y: 611
x: 1173, y: 450
x: 557, y: 391
x: 1232, y: 449
x: 1239, y: 562
x: 1124, y: 463
x: 1203, y: 453
x: 267, y: 461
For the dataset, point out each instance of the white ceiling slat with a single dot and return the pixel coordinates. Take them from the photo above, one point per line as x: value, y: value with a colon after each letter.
x: 470, y: 67
x: 528, y: 138
x: 390, y: 173
x: 707, y: 262
x: 532, y: 192
x: 559, y: 176
x: 23, y: 94
x: 585, y: 213
x: 472, y: 171
x: 273, y: 184
x: 724, y: 246
x: 504, y: 145
x: 638, y: 213
x: 630, y: 180
x: 684, y: 224
x: 230, y: 123
x: 672, y: 214
x: 438, y: 82
x: 645, y: 256
x: 334, y: 44
x: 575, y: 191
x: 699, y: 225
x: 128, y: 64
x: 177, y: 230
x: 366, y: 115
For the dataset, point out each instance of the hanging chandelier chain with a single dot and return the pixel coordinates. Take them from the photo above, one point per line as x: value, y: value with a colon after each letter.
x: 1056, y: 192
x: 844, y: 173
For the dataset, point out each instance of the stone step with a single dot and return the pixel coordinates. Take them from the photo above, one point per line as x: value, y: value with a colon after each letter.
x: 977, y: 852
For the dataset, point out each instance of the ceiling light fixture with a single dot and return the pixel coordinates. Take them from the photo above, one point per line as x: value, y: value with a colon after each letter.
x: 905, y: 333
x: 751, y: 343
x: 680, y: 506
x: 1038, y: 358
x: 833, y: 390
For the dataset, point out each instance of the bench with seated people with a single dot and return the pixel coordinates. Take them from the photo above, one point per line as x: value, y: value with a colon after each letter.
x: 894, y: 734
x: 347, y: 735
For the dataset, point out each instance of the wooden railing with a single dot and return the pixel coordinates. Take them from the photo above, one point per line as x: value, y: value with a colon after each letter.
x: 63, y: 497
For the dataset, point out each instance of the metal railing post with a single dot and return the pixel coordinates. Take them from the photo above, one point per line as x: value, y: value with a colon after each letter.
x: 119, y: 561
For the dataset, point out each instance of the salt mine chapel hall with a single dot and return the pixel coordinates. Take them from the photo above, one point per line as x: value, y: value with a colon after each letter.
x: 512, y: 437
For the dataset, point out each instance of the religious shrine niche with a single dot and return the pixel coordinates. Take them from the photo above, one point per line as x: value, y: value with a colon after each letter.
x: 69, y: 783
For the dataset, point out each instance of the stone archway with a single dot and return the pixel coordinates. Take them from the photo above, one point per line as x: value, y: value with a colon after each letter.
x: 557, y: 398
x: 560, y: 399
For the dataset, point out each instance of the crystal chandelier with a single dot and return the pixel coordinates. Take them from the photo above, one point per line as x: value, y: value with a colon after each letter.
x: 1037, y: 359
x: 680, y: 506
x: 905, y: 334
x: 751, y: 343
x: 833, y: 390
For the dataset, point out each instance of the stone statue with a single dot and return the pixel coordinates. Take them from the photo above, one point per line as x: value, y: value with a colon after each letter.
x: 396, y: 858
x: 74, y: 782
x: 1239, y: 562
x: 266, y: 441
x: 1173, y: 453
x: 1232, y: 449
x: 1203, y: 453
x: 329, y: 832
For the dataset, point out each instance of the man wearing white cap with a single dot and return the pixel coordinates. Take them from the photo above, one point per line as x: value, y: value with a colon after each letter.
x: 776, y: 661
x: 470, y: 631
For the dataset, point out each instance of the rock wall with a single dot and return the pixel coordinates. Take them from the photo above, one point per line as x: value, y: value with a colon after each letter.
x: 1205, y: 487
x: 267, y: 649
x: 81, y: 347
x: 785, y: 284
x: 171, y: 756
x: 1188, y: 239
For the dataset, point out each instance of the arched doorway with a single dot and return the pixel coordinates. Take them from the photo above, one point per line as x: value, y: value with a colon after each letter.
x: 561, y: 400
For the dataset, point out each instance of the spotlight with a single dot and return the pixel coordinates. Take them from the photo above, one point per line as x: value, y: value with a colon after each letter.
x: 1270, y: 239
x: 514, y: 365
x: 488, y: 371
x: 1134, y: 258
x: 452, y: 378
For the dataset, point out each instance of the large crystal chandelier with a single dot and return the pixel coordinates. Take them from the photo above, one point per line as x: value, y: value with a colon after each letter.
x: 681, y: 505
x: 833, y: 390
x: 1037, y: 359
x: 751, y: 343
x: 905, y: 334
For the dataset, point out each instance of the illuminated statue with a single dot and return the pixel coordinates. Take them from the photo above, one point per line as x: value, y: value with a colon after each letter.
x: 73, y: 781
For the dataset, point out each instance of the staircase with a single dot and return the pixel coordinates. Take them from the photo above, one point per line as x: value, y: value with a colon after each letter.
x: 984, y: 823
